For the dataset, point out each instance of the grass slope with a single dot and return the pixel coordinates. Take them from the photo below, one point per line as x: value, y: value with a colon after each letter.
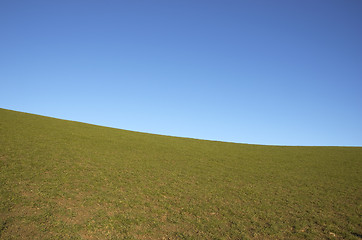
x: 68, y: 180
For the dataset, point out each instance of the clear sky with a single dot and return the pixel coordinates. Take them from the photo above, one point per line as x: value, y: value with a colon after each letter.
x: 253, y: 71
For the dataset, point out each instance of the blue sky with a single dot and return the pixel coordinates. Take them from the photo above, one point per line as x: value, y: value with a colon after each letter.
x: 262, y: 72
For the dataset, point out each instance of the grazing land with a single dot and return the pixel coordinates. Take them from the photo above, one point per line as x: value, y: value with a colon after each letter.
x: 69, y: 180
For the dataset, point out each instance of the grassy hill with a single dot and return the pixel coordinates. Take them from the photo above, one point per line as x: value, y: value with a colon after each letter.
x: 68, y: 180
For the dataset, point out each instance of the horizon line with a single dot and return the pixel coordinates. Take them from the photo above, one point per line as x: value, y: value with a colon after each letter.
x: 192, y: 138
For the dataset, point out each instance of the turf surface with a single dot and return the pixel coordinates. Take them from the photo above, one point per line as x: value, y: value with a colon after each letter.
x: 68, y: 180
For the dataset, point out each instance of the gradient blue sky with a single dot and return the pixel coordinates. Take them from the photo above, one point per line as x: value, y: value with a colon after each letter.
x: 264, y: 72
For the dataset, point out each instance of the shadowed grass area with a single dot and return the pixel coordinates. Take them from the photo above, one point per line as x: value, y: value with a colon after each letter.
x: 68, y: 180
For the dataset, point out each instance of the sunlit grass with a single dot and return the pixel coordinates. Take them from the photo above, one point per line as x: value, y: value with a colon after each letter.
x: 61, y: 179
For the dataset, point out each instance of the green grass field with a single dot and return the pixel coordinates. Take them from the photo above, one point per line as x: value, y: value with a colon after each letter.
x: 68, y: 180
